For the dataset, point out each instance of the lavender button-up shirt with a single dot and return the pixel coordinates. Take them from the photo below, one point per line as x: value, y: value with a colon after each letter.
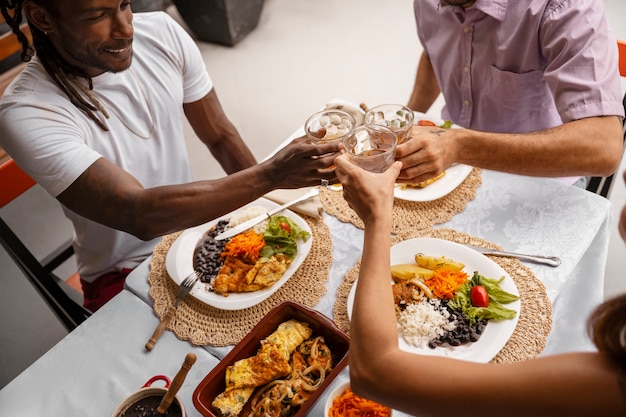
x: 521, y: 66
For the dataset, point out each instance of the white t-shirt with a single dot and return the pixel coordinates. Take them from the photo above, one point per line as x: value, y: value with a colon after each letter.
x: 54, y: 142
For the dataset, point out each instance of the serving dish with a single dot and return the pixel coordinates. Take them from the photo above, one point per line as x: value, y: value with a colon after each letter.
x: 338, y: 342
x: 179, y: 262
x: 496, y: 334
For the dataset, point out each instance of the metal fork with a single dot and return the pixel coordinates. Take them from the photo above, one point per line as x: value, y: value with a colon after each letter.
x: 183, y: 289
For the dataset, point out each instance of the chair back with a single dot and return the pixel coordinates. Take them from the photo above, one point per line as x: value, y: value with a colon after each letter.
x: 15, y: 182
x: 603, y: 185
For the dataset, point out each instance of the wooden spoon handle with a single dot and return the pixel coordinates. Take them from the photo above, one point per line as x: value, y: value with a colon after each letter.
x: 177, y: 382
x: 161, y: 328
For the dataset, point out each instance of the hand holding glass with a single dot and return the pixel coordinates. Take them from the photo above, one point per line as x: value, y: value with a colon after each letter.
x: 372, y: 147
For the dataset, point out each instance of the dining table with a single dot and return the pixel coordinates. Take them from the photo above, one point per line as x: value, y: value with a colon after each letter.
x: 96, y: 366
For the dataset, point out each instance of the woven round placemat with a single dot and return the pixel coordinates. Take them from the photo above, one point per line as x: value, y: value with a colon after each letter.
x: 205, y: 325
x: 535, y: 319
x: 410, y: 214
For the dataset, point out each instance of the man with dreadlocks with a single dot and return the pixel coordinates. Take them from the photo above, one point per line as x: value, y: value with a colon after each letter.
x: 96, y: 118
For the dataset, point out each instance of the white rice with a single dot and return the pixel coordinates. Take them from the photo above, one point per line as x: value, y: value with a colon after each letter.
x: 248, y: 213
x: 424, y: 321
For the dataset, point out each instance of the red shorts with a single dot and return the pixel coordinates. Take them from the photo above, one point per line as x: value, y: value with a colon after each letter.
x: 97, y: 293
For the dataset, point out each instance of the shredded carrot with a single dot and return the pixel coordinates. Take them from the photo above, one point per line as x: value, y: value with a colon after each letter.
x: 246, y: 245
x: 349, y: 404
x: 445, y: 282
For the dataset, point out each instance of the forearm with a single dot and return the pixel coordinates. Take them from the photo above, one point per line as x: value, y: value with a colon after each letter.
x: 425, y: 89
x: 568, y: 385
x: 122, y: 203
x: 590, y: 146
x: 373, y: 330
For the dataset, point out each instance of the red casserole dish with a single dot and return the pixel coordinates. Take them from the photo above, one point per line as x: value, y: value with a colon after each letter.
x: 338, y: 342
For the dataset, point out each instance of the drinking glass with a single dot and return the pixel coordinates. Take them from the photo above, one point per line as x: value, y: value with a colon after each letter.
x: 329, y: 126
x: 372, y: 147
x: 396, y: 117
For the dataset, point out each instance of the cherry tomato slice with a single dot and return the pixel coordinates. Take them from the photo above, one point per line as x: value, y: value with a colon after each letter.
x: 425, y: 123
x: 479, y: 296
x: 285, y: 227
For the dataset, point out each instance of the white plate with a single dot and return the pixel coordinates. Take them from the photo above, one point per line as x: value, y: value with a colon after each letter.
x: 455, y: 175
x: 496, y: 333
x: 179, y: 263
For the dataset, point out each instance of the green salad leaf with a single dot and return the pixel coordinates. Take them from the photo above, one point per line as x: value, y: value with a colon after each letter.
x: 497, y: 297
x: 280, y: 237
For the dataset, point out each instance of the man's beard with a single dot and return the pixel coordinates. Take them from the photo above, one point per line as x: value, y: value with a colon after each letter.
x: 85, y: 58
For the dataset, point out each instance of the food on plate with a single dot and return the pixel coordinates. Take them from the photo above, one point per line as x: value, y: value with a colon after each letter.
x: 479, y: 296
x: 445, y: 307
x: 410, y: 271
x: 290, y: 364
x: 446, y: 124
x: 438, y: 262
x: 422, y: 184
x: 252, y: 260
x: 348, y: 404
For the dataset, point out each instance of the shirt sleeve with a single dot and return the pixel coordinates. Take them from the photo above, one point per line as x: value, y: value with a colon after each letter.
x: 582, y: 61
x: 197, y: 82
x: 46, y: 144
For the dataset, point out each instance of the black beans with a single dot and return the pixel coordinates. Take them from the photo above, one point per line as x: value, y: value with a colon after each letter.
x: 206, y: 258
x: 463, y: 333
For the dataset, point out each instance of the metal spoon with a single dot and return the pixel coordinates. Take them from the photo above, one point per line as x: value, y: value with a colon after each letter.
x: 547, y: 260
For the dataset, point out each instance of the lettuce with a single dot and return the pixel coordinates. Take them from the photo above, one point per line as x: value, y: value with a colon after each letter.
x: 278, y: 240
x: 497, y: 297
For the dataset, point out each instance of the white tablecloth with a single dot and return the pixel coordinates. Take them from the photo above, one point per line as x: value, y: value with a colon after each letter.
x: 95, y: 367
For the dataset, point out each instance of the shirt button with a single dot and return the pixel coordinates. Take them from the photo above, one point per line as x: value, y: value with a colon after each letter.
x: 467, y: 103
x: 466, y: 68
x: 466, y: 29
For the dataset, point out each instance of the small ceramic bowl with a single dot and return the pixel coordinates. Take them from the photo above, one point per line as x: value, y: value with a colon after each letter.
x: 336, y: 392
x: 148, y: 391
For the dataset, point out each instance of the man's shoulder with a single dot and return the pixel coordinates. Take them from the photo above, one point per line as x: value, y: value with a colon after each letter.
x: 151, y: 20
x: 32, y: 84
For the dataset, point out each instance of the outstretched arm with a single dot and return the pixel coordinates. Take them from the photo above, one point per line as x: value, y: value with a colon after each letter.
x: 107, y: 194
x: 578, y: 384
x: 585, y: 147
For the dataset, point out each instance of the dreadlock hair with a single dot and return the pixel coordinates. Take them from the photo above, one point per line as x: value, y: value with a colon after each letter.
x: 66, y: 76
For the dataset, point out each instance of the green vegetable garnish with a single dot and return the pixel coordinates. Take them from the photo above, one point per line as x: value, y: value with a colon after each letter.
x: 279, y: 240
x: 497, y: 297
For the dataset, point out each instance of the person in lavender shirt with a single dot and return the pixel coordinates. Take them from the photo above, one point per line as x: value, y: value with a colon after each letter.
x: 534, y: 83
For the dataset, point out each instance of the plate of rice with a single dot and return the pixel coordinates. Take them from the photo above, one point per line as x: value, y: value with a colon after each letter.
x: 422, y: 323
x: 195, y: 248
